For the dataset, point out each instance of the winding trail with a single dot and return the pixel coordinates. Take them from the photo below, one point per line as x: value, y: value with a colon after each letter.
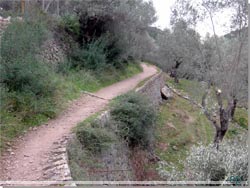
x: 29, y: 154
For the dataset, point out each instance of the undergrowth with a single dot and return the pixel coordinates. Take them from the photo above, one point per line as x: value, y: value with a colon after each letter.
x: 135, y: 119
x: 195, y: 90
x: 32, y: 92
x: 180, y: 125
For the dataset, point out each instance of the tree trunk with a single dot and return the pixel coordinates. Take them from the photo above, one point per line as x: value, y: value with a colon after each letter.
x: 234, y: 104
x: 173, y: 72
x: 224, y: 114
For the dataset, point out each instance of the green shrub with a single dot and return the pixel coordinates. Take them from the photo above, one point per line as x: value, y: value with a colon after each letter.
x: 27, y: 75
x: 241, y: 117
x: 94, y: 138
x: 206, y: 163
x: 243, y: 122
x: 98, y: 55
x: 135, y: 118
x: 20, y: 71
x: 64, y: 67
x: 70, y: 23
x: 21, y: 39
x: 92, y: 56
x: 28, y: 107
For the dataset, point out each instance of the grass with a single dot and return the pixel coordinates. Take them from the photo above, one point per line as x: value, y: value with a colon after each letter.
x: 192, y: 88
x: 241, y: 117
x: 69, y: 88
x: 83, y: 161
x: 180, y: 125
x: 80, y: 160
x: 195, y: 90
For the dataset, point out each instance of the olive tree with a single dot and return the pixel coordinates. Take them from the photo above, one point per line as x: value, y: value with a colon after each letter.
x: 126, y: 21
x: 228, y: 64
x: 179, y: 50
x: 206, y: 163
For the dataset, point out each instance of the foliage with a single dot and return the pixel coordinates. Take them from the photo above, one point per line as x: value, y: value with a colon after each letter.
x: 192, y: 88
x: 27, y: 75
x: 241, y: 117
x: 21, y: 110
x: 78, y: 158
x: 70, y: 23
x: 92, y: 57
x: 181, y: 45
x: 31, y: 92
x: 114, y: 17
x: 27, y: 82
x: 206, y: 163
x: 223, y: 59
x: 94, y: 139
x: 20, y: 71
x: 27, y: 37
x: 135, y: 119
x: 180, y: 125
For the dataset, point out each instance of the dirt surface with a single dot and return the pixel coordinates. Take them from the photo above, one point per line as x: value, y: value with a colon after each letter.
x: 26, y: 159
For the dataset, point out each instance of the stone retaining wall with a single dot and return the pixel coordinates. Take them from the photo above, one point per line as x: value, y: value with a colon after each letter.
x: 152, y: 89
x: 117, y: 156
x: 52, y: 52
x: 4, y: 22
x: 57, y: 168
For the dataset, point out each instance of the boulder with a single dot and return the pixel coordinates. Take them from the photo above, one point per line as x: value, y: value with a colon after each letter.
x: 166, y: 93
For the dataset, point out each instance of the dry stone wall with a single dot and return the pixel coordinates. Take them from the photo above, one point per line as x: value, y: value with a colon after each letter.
x: 51, y: 52
x: 152, y: 89
x: 115, y: 159
x: 57, y: 168
x: 4, y: 22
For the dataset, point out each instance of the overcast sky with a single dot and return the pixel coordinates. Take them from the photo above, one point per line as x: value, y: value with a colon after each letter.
x: 163, y: 11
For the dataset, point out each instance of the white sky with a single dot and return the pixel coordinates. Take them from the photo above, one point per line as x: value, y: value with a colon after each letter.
x: 163, y: 11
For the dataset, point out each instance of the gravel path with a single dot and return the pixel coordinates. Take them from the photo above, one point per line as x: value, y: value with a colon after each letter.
x: 30, y: 153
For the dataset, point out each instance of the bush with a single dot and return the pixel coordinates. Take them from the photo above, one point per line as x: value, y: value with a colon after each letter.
x: 135, y: 118
x: 98, y: 55
x: 21, y: 39
x: 29, y: 84
x: 93, y: 56
x: 70, y: 23
x: 206, y: 163
x: 94, y: 138
x: 64, y: 67
x: 30, y: 88
x: 27, y: 75
x: 20, y: 71
x: 243, y: 122
x: 241, y: 117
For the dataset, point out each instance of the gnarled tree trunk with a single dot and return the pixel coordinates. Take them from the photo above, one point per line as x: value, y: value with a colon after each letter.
x: 173, y: 72
x: 225, y: 115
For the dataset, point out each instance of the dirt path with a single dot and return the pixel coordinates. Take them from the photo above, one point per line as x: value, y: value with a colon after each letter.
x: 30, y: 154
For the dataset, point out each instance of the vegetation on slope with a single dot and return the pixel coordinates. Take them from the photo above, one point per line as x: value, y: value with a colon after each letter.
x: 180, y: 125
x: 132, y: 121
x: 195, y: 91
x: 32, y: 91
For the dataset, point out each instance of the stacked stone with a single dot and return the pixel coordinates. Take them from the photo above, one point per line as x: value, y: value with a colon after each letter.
x: 57, y: 168
x: 51, y: 52
x: 4, y: 22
